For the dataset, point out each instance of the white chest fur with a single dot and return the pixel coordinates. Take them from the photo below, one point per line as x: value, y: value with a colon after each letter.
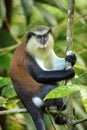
x: 51, y: 62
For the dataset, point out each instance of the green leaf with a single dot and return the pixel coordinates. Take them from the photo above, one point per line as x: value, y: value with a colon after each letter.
x: 6, y: 38
x: 4, y: 81
x: 2, y: 101
x: 12, y: 103
x: 27, y: 6
x: 8, y: 92
x: 5, y: 61
x: 62, y: 91
x: 83, y: 93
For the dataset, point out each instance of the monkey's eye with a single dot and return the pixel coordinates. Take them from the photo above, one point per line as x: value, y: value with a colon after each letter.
x: 38, y: 36
x: 45, y: 35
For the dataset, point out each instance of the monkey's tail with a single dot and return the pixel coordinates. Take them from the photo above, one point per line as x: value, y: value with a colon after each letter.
x: 34, y: 111
x: 35, y: 114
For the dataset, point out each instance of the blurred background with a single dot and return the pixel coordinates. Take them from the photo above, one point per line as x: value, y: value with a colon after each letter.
x: 17, y: 17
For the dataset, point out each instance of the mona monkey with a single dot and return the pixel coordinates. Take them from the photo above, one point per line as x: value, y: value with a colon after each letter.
x: 36, y: 70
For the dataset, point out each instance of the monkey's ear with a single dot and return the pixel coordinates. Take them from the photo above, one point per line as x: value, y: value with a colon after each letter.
x: 29, y: 35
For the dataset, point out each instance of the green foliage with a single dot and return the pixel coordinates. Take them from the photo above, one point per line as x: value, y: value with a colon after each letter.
x: 62, y: 91
x: 3, y: 101
x: 4, y: 81
x: 84, y: 97
x: 7, y: 94
x: 65, y: 90
x: 14, y: 123
x: 6, y: 38
x: 5, y: 61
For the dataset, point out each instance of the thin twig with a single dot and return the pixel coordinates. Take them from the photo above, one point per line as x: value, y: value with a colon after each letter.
x: 5, y: 112
x: 79, y: 121
x: 7, y: 49
x: 54, y: 128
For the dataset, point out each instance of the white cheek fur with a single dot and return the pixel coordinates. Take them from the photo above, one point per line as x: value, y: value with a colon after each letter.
x: 37, y: 101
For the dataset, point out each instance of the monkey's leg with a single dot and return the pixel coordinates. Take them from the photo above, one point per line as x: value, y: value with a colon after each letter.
x: 45, y: 89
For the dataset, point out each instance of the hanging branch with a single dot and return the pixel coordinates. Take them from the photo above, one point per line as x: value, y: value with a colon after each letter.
x: 69, y: 111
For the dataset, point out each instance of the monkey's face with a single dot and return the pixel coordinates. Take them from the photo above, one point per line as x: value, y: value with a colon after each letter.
x: 40, y: 40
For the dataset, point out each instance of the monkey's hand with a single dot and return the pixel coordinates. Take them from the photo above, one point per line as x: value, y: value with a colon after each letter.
x: 71, y: 58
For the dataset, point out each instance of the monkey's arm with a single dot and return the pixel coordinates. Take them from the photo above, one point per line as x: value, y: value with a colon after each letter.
x: 46, y: 76
x: 53, y: 76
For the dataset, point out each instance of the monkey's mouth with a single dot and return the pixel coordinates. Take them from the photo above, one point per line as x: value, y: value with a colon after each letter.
x: 43, y: 46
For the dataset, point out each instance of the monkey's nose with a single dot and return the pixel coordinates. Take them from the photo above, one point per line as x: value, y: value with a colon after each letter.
x: 43, y: 41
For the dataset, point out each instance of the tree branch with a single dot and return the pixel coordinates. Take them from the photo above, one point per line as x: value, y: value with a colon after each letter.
x: 70, y: 24
x: 69, y: 111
